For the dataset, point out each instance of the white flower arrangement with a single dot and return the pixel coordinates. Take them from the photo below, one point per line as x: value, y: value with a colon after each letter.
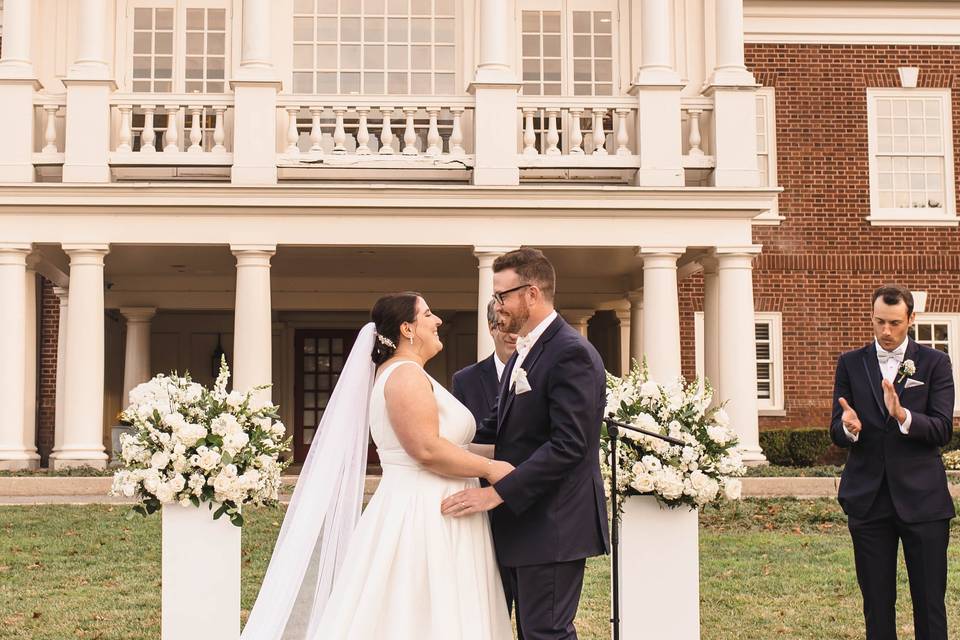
x: 704, y: 471
x: 193, y: 445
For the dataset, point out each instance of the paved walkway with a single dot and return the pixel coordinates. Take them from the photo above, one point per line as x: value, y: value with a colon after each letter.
x: 88, y: 490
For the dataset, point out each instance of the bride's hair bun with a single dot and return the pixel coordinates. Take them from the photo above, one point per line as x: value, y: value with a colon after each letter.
x: 388, y: 313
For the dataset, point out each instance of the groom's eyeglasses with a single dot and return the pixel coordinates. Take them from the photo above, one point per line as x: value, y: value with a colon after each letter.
x: 498, y: 296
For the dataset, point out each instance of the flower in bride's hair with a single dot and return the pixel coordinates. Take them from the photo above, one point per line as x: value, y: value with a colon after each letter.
x: 385, y: 341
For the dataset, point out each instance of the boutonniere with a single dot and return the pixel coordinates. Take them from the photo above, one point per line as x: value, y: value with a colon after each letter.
x: 519, y: 379
x: 906, y: 369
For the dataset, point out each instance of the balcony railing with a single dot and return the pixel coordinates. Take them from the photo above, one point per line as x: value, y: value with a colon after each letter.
x: 49, y: 116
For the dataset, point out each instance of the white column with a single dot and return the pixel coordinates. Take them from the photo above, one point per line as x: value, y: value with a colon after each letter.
x: 59, y: 427
x: 136, y: 359
x: 711, y: 336
x: 623, y: 317
x: 737, y: 351
x: 658, y: 88
x: 17, y: 86
x: 255, y: 90
x: 16, y: 55
x: 578, y: 318
x: 84, y: 379
x: 14, y: 453
x: 636, y: 325
x: 661, y: 313
x: 485, y: 257
x: 733, y: 89
x: 89, y: 86
x: 30, y: 360
x: 252, y: 325
x: 495, y: 89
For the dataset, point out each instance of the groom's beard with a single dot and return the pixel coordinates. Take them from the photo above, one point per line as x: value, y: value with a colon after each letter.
x: 515, y: 321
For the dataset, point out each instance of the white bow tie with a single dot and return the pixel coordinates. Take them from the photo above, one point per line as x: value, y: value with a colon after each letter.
x: 524, y: 343
x: 886, y: 356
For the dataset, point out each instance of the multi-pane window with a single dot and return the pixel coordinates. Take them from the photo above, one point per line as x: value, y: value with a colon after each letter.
x: 153, y: 49
x: 910, y: 153
x: 941, y: 331
x: 205, y: 61
x: 178, y: 47
x: 567, y: 50
x: 374, y: 47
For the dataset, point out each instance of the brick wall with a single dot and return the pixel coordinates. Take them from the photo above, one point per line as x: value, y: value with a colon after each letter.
x: 819, y: 267
x: 47, y: 397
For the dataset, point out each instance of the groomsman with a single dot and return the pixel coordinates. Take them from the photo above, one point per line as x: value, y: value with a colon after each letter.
x: 477, y: 385
x: 893, y: 409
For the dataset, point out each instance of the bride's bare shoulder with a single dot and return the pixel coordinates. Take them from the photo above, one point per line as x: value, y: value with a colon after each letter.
x: 407, y: 378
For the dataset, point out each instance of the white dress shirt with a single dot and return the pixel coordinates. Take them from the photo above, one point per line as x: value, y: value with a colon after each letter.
x: 888, y: 369
x: 500, y: 366
x: 525, y: 343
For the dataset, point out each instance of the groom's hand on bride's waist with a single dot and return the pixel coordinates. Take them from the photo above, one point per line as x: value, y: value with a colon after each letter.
x: 471, y: 501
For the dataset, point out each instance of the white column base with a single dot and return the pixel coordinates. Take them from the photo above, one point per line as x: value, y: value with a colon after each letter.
x: 735, y: 129
x: 16, y: 129
x: 659, y: 134
x: 18, y: 461
x: 87, y: 146
x: 73, y: 459
x: 200, y: 588
x: 495, y: 156
x: 255, y: 113
x: 659, y: 545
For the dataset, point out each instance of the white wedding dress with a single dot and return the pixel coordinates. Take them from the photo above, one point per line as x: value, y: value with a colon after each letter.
x: 411, y: 573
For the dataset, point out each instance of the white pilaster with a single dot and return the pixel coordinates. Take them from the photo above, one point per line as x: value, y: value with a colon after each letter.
x: 59, y: 426
x: 485, y: 257
x: 17, y: 86
x: 14, y: 452
x: 253, y: 329
x: 711, y: 336
x: 661, y: 313
x: 495, y: 89
x: 578, y: 318
x: 255, y: 90
x: 733, y: 89
x: 136, y: 359
x: 623, y: 317
x: 84, y: 379
x: 737, y: 351
x: 30, y: 360
x: 89, y: 85
x: 636, y: 326
x: 658, y: 88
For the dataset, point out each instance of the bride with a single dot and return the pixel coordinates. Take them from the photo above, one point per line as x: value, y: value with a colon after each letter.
x: 402, y: 570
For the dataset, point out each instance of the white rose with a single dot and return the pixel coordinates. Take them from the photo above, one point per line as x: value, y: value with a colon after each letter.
x: 177, y: 483
x: 688, y: 455
x: 643, y: 483
x: 205, y: 458
x: 669, y: 483
x: 185, y: 502
x: 279, y: 430
x: 160, y: 460
x: 234, y: 442
x: 225, y: 424
x: 174, y: 420
x: 651, y: 464
x: 165, y: 493
x: 732, y: 488
x: 719, y: 434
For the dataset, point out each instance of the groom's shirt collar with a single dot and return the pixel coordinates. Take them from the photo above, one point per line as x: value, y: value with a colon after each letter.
x: 531, y: 338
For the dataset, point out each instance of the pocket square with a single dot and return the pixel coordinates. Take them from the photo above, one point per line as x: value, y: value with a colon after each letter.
x: 912, y: 383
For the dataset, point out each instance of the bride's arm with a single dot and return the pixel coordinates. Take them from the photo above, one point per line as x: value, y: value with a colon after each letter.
x: 413, y: 413
x: 485, y: 450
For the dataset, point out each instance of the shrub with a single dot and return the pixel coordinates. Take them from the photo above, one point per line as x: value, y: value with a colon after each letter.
x: 799, y: 447
x: 776, y: 447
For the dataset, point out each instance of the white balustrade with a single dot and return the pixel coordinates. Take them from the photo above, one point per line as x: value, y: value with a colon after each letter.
x: 564, y: 129
x: 188, y: 131
x: 697, y: 132
x: 428, y: 132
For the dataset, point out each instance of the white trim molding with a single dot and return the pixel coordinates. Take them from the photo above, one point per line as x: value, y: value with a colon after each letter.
x: 952, y: 320
x: 767, y: 152
x: 852, y: 22
x: 881, y: 214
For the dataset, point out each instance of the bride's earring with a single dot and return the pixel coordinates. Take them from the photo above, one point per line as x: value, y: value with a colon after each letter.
x: 411, y: 339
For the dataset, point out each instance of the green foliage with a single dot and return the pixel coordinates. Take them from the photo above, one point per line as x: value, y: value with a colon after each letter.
x: 776, y: 446
x: 797, y: 447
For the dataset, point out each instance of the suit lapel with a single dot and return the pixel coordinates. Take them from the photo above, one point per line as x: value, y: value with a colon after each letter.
x: 535, y: 352
x: 872, y: 365
x: 488, y: 380
x: 505, y: 389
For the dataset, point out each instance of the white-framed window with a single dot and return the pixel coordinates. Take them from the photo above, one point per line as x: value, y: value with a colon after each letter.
x: 910, y: 138
x: 941, y: 331
x: 767, y: 149
x: 375, y: 47
x: 177, y: 46
x: 568, y: 47
x: 768, y: 328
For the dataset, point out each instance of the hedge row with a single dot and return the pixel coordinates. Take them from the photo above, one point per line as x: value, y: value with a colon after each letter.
x: 807, y: 447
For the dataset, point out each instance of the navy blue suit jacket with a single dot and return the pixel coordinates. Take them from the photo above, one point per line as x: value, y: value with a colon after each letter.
x: 911, y: 463
x: 554, y: 506
x: 476, y: 386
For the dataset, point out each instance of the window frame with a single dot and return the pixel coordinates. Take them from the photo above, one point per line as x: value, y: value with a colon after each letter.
x: 911, y: 216
x: 775, y: 405
x: 179, y: 42
x: 767, y: 95
x: 952, y: 320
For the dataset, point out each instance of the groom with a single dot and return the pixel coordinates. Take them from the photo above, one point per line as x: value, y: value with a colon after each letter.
x: 550, y: 512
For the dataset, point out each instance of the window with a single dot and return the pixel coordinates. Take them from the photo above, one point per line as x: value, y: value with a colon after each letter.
x: 372, y: 47
x: 568, y: 48
x: 767, y: 149
x: 769, y: 342
x: 941, y: 331
x: 911, y: 156
x: 178, y: 47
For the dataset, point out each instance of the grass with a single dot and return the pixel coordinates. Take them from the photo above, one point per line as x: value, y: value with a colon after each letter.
x: 769, y: 569
x: 779, y: 471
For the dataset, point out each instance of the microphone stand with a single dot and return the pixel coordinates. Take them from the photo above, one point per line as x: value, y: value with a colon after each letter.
x: 613, y: 430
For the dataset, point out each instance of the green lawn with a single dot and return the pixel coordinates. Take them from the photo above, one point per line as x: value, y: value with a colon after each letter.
x: 770, y: 569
